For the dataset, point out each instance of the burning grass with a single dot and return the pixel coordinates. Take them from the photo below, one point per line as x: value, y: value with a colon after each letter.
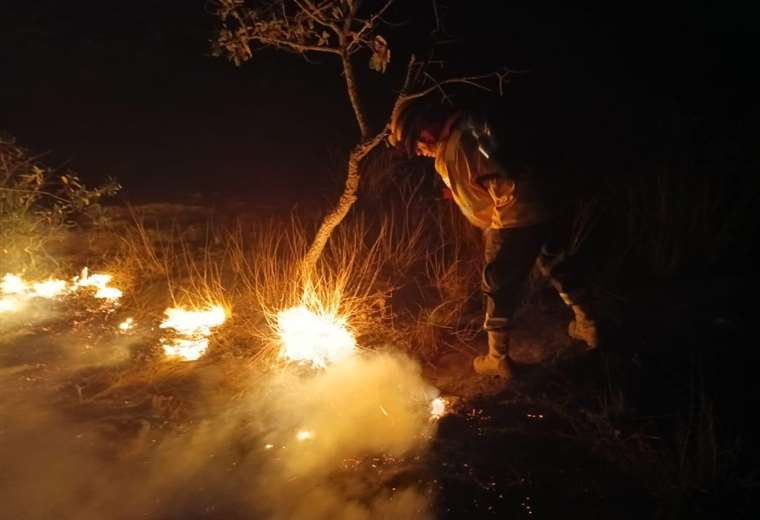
x: 234, y: 307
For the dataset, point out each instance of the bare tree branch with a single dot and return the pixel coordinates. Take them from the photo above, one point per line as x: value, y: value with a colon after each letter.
x: 312, y: 11
x: 476, y: 81
x: 353, y: 95
x: 297, y: 47
x: 437, y: 17
x: 350, y: 19
x: 367, y: 26
x: 440, y: 88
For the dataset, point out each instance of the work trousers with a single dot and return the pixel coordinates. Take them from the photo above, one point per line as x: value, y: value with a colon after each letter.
x: 509, y: 257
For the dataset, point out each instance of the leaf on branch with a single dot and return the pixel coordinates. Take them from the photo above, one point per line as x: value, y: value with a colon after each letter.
x: 324, y: 38
x: 381, y: 55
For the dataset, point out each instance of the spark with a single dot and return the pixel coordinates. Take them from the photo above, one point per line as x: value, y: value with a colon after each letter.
x: 269, y: 446
x: 127, y: 325
x: 193, y: 328
x: 304, y: 435
x: 437, y: 408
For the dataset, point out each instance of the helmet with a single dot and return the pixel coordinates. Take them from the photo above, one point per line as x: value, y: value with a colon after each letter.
x: 409, y: 119
x: 399, y: 131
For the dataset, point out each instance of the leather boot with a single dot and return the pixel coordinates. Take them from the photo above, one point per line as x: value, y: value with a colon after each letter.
x: 496, y: 361
x: 583, y: 328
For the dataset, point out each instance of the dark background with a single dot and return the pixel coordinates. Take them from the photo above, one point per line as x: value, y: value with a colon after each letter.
x: 129, y: 89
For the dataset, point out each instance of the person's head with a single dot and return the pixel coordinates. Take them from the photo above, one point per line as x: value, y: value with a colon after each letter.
x: 417, y: 126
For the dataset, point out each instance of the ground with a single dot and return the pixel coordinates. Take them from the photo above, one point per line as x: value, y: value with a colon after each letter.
x: 91, y: 418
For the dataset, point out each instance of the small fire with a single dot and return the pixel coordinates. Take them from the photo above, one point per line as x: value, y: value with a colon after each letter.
x: 193, y: 327
x: 438, y: 408
x: 318, y: 338
x: 127, y: 325
x: 16, y: 286
x: 20, y: 290
x: 49, y: 289
x: 13, y: 284
x: 304, y: 435
x: 100, y: 283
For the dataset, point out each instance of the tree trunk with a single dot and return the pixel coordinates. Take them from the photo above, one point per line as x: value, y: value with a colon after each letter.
x: 359, y: 152
x: 353, y: 96
x: 341, y: 209
x: 347, y: 199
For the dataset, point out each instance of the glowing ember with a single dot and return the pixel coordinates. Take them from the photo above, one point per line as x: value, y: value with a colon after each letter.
x: 193, y: 329
x: 320, y: 339
x: 127, y: 325
x: 438, y: 408
x: 304, y: 435
x: 269, y: 446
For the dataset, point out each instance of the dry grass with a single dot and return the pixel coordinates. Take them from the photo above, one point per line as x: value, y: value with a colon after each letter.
x: 254, y: 270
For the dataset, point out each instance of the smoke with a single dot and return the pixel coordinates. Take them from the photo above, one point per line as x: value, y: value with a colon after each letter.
x: 340, y: 443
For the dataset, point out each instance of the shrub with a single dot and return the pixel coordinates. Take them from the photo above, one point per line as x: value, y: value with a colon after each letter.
x: 38, y: 203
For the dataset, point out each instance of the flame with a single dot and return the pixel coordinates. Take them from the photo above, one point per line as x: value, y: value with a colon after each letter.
x: 19, y: 288
x: 127, y: 325
x: 193, y: 328
x: 438, y: 408
x: 49, y: 289
x: 304, y: 435
x: 100, y: 282
x: 320, y: 338
x: 8, y: 305
x: 13, y: 284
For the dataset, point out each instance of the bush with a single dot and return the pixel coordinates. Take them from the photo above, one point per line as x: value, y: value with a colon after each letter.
x: 37, y: 204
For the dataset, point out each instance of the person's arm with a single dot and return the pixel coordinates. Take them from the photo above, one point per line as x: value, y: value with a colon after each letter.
x: 490, y: 176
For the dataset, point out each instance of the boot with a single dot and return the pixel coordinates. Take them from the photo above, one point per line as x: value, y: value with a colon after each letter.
x: 496, y: 361
x: 583, y: 328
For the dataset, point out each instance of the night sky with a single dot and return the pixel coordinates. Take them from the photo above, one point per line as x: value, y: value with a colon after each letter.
x: 129, y: 89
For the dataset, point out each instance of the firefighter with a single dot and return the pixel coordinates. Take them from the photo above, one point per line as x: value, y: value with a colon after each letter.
x: 516, y: 207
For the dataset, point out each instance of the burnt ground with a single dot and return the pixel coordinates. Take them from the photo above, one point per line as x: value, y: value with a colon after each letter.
x: 655, y: 424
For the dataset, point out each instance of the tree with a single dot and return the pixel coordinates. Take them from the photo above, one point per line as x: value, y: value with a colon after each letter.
x: 341, y: 28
